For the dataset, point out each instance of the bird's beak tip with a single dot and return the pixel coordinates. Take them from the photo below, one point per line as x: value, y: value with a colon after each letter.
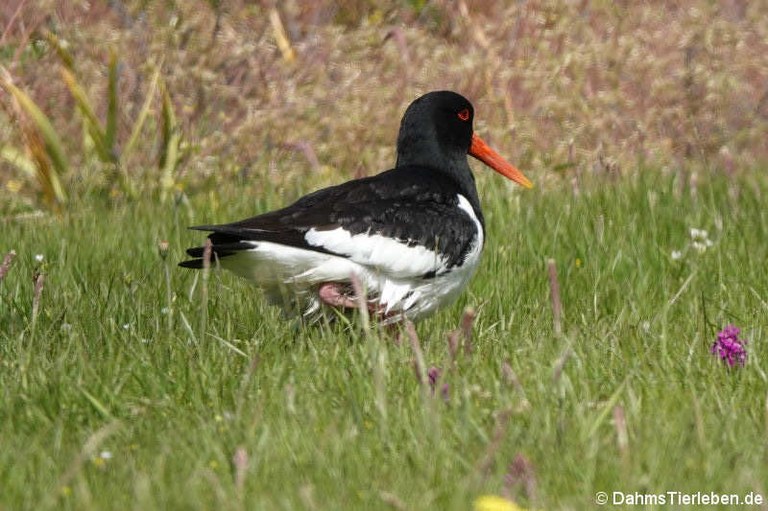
x: 482, y: 151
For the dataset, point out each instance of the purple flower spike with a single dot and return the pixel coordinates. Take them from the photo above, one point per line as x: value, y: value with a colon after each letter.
x: 729, y: 348
x: 433, y: 375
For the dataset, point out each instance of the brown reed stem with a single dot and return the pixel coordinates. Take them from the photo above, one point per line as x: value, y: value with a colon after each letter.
x: 521, y: 473
x: 39, y: 280
x: 421, y: 366
x: 453, y: 345
x: 6, y: 265
x: 467, y: 322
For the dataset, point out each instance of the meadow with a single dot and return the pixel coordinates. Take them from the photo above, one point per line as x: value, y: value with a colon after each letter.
x: 129, y: 383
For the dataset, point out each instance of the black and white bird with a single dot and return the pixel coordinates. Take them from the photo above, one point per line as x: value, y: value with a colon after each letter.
x: 412, y: 235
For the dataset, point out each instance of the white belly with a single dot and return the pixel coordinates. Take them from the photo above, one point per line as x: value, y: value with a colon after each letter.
x: 290, y: 278
x: 392, y: 272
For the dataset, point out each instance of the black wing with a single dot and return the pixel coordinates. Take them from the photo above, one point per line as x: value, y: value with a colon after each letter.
x: 415, y: 206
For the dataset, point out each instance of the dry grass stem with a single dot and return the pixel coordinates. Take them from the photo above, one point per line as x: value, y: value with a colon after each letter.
x: 39, y: 279
x: 240, y: 462
x: 207, y: 259
x: 521, y: 472
x: 622, y: 438
x: 454, y: 340
x: 510, y: 378
x: 6, y: 264
x: 499, y: 431
x: 281, y: 37
x: 467, y: 322
x: 554, y: 291
x: 418, y: 354
x: 361, y: 296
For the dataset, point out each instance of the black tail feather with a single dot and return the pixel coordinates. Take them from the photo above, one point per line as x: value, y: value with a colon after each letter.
x: 219, y: 251
x: 196, y: 264
x: 222, y: 250
x: 230, y: 239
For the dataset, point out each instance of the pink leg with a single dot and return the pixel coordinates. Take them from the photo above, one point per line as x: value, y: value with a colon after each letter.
x: 336, y: 294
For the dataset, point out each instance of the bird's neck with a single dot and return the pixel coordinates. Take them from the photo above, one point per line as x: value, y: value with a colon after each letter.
x: 420, y: 153
x: 422, y: 150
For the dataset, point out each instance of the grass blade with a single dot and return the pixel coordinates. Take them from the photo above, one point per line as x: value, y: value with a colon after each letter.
x: 98, y: 405
x: 281, y: 36
x: 66, y: 58
x: 143, y: 113
x: 110, y: 131
x: 19, y: 160
x: 607, y: 409
x: 42, y: 141
x: 90, y: 119
x: 169, y: 158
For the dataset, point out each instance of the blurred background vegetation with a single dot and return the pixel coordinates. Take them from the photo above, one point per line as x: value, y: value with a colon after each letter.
x: 159, y: 99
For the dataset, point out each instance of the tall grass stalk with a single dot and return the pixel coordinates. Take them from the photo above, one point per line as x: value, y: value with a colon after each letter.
x: 5, y: 266
x: 203, y: 304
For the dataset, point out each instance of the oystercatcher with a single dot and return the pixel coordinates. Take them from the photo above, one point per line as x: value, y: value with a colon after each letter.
x: 412, y: 235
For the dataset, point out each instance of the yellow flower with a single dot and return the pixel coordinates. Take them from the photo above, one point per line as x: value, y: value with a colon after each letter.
x: 13, y: 185
x: 495, y: 503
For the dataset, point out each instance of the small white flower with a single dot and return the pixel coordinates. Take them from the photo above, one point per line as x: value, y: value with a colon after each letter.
x: 126, y: 326
x: 701, y: 246
x: 39, y: 258
x: 105, y: 455
x: 700, y: 240
x: 677, y: 255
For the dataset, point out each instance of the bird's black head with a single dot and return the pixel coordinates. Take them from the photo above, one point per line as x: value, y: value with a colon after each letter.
x: 436, y: 131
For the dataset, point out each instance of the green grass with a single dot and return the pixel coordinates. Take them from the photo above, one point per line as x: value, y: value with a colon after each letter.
x: 334, y: 418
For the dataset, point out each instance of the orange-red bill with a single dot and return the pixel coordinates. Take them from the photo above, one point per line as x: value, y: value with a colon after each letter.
x: 480, y: 150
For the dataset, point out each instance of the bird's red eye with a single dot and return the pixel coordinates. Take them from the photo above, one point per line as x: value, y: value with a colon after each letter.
x: 464, y: 114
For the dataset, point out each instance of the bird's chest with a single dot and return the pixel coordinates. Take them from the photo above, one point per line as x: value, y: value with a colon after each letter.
x: 421, y: 297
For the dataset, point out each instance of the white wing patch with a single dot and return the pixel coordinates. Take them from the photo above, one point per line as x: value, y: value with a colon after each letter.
x: 379, y: 253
